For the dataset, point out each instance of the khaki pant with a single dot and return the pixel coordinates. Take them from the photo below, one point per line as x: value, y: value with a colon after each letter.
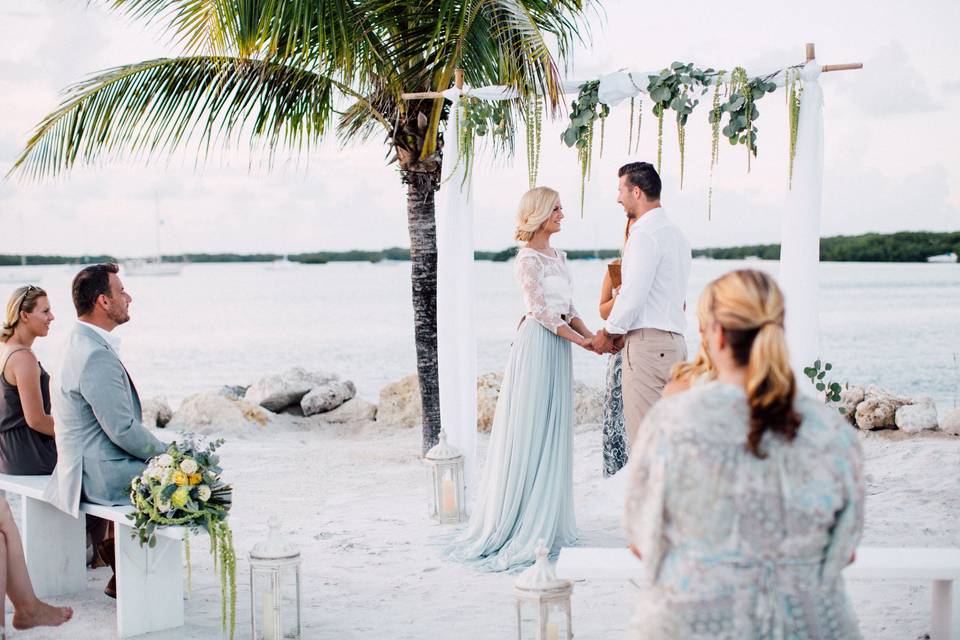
x: 648, y: 356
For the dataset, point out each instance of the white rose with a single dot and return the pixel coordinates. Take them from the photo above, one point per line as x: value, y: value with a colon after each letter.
x: 165, y: 460
x: 189, y: 465
x: 203, y: 493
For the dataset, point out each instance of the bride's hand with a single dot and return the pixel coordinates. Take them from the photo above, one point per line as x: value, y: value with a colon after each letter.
x: 587, y: 343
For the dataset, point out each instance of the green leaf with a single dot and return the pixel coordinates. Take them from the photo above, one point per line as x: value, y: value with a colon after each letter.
x: 827, y: 366
x: 816, y: 365
x: 821, y: 386
x: 821, y: 375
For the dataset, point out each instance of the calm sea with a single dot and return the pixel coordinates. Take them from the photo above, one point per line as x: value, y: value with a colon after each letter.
x: 897, y: 325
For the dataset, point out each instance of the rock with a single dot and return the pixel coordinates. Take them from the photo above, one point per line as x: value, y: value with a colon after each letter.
x: 488, y: 390
x: 279, y: 391
x: 355, y: 410
x: 234, y: 392
x: 914, y: 418
x: 400, y: 403
x: 950, y: 423
x: 879, y: 409
x: 156, y: 412
x: 850, y: 397
x: 210, y: 413
x: 587, y: 404
x: 327, y: 397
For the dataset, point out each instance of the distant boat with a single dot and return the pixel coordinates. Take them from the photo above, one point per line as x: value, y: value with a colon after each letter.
x: 950, y: 258
x: 283, y: 264
x: 751, y: 257
x: 153, y: 265
x: 21, y: 274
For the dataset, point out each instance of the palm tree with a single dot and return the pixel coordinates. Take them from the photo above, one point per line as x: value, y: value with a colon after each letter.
x: 281, y: 73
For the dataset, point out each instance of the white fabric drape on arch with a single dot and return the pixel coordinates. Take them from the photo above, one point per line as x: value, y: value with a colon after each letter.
x: 456, y: 289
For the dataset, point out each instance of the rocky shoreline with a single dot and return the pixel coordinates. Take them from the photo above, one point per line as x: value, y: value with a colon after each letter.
x: 321, y: 397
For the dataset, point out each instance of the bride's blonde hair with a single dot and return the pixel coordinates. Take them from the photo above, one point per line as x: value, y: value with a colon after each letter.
x: 748, y: 305
x: 535, y: 207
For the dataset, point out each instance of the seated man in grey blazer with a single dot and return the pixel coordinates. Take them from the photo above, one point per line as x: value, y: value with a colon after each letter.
x: 101, y: 441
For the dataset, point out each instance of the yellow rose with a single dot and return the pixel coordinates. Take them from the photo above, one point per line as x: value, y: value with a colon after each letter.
x: 180, y: 497
x: 195, y: 478
x: 180, y: 478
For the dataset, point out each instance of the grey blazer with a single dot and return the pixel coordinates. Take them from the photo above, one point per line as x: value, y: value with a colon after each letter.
x: 101, y: 441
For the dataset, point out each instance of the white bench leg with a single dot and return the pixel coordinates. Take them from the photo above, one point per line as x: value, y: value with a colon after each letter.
x: 943, y: 616
x: 149, y: 584
x: 55, y: 547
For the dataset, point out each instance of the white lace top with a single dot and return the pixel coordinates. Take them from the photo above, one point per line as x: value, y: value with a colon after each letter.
x: 547, y: 287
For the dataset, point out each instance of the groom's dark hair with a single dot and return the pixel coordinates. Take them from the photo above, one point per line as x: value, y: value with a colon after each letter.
x: 89, y: 284
x: 643, y: 176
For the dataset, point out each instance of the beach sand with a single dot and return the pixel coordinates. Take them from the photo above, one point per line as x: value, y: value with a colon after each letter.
x: 353, y: 499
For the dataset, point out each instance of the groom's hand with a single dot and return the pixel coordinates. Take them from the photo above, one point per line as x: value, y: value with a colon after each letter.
x: 602, y: 343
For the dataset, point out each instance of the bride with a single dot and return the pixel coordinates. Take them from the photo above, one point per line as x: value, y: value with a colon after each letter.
x: 527, y: 489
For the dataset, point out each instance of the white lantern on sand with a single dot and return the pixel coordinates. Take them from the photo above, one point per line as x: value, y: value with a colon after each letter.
x: 275, y: 587
x: 446, y: 482
x: 543, y: 602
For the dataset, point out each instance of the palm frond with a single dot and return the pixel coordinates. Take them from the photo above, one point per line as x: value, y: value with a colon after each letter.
x: 156, y: 106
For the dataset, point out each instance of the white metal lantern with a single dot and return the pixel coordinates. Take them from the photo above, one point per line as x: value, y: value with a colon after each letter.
x: 275, y: 587
x: 446, y: 482
x: 543, y: 602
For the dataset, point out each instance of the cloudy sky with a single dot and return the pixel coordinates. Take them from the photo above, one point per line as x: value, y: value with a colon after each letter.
x: 891, y: 138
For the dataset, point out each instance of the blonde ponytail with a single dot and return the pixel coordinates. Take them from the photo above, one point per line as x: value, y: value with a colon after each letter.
x: 748, y: 305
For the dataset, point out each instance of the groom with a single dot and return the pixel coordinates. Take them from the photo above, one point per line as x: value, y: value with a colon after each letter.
x: 101, y: 441
x: 648, y: 315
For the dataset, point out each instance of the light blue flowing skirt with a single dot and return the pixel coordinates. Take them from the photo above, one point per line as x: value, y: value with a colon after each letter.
x: 527, y: 489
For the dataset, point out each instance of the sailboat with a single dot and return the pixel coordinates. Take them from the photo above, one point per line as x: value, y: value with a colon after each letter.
x: 21, y: 274
x: 153, y: 265
x: 283, y: 263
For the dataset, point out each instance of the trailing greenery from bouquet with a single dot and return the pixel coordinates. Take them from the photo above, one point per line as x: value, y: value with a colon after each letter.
x: 584, y: 112
x: 533, y: 114
x: 183, y: 487
x: 475, y: 119
x: 633, y: 145
x: 794, y: 92
x: 677, y: 88
x: 817, y: 375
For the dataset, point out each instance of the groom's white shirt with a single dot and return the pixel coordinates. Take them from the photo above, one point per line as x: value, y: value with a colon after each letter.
x: 113, y: 341
x: 654, y: 272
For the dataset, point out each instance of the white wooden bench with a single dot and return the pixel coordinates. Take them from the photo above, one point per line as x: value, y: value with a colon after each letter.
x: 149, y: 581
x: 941, y: 567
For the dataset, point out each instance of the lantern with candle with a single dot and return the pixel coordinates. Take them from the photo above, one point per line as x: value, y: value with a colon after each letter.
x: 275, y: 587
x: 446, y: 482
x: 543, y: 602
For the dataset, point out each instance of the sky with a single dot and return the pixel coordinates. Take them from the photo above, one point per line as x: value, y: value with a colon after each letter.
x: 891, y: 137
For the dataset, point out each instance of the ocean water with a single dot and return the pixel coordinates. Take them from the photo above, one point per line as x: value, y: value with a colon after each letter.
x: 896, y: 325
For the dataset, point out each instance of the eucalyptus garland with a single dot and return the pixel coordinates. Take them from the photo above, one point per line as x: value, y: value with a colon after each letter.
x: 476, y: 118
x: 715, y: 115
x: 677, y: 88
x: 742, y: 109
x: 584, y: 112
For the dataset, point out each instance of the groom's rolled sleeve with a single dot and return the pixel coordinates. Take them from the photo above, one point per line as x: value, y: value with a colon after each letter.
x: 104, y: 387
x: 643, y: 256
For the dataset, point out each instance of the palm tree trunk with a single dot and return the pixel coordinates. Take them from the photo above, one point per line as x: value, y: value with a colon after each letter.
x: 421, y: 222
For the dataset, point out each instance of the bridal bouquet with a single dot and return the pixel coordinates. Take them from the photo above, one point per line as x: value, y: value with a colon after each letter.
x: 182, y: 487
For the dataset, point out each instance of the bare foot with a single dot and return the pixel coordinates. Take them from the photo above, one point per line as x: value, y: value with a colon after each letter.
x: 41, y: 615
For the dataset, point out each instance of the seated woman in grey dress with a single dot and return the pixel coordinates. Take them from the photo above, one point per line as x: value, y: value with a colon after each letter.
x: 744, y: 501
x: 27, y: 446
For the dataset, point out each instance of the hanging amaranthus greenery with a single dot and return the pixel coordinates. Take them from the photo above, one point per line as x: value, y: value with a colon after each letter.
x: 636, y: 146
x: 584, y: 111
x: 715, y: 114
x: 630, y: 134
x: 794, y: 92
x: 475, y: 119
x: 534, y: 118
